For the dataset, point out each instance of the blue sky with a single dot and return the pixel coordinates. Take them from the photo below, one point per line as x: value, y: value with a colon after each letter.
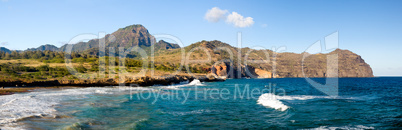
x: 372, y: 29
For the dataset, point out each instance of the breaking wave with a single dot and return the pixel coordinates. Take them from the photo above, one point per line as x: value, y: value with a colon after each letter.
x: 270, y: 100
x: 195, y: 82
x: 273, y: 101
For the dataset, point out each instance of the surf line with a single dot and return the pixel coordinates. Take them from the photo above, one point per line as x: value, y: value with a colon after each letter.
x: 271, y: 100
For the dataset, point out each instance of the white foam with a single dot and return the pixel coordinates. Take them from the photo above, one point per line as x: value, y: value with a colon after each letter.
x: 270, y: 100
x: 273, y: 101
x: 172, y: 87
x: 19, y: 106
x: 14, y: 107
x: 102, y: 92
x: 196, y: 82
x: 356, y: 127
x: 200, y: 111
x: 301, y: 97
x: 309, y: 97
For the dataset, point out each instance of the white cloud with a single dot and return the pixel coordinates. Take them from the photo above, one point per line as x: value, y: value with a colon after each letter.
x: 239, y: 21
x: 264, y: 25
x: 215, y: 14
x: 4, y: 43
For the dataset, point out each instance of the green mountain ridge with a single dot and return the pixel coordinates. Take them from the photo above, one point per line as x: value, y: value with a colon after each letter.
x: 131, y: 36
x: 5, y: 50
x: 46, y: 47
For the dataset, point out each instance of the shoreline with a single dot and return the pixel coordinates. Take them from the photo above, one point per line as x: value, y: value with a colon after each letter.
x: 8, y: 88
x: 14, y: 90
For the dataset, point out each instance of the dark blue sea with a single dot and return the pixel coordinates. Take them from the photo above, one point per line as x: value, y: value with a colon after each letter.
x: 283, y: 103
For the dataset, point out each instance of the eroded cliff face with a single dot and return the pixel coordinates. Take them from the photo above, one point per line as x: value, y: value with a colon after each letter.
x: 349, y: 64
x: 263, y: 74
x: 228, y: 70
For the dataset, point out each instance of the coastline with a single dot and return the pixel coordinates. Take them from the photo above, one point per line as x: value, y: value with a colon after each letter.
x: 14, y: 90
x: 8, y: 88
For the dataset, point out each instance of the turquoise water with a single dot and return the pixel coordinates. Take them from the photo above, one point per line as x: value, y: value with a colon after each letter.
x: 363, y: 103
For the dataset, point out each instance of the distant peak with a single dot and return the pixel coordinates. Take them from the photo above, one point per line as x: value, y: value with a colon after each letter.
x: 134, y: 26
x: 214, y: 43
x: 341, y: 51
x: 166, y: 45
x: 162, y: 41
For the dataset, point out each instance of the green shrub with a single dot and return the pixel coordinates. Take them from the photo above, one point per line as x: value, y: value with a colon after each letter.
x: 44, y: 68
x: 81, y: 68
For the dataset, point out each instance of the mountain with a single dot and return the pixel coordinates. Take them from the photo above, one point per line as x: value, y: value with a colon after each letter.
x: 276, y: 65
x: 131, y: 36
x: 46, y: 47
x: 82, y: 46
x: 315, y: 65
x: 165, y: 45
x: 3, y: 49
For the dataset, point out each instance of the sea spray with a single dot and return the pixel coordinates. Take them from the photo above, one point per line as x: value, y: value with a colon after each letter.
x: 195, y: 82
x: 270, y: 100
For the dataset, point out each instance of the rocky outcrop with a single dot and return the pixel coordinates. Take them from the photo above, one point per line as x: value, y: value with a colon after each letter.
x: 220, y: 69
x: 229, y: 70
x: 263, y: 73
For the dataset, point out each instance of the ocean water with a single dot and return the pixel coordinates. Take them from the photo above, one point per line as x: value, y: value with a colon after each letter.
x: 286, y: 103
